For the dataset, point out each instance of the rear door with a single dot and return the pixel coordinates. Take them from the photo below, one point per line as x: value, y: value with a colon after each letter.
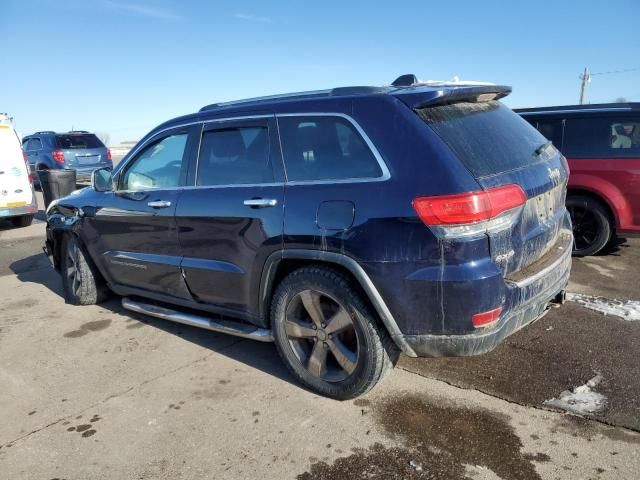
x: 500, y: 148
x: 232, y: 220
x: 15, y: 187
x: 134, y: 230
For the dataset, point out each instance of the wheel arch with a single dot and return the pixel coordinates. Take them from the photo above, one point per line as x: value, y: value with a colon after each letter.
x: 601, y: 199
x: 279, y: 264
x: 606, y: 193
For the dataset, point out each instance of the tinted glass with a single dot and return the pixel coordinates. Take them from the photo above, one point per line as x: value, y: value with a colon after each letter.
x: 78, y: 140
x: 552, y: 130
x: 487, y: 137
x: 34, y: 144
x: 235, y: 156
x: 157, y: 166
x: 604, y: 137
x: 325, y: 148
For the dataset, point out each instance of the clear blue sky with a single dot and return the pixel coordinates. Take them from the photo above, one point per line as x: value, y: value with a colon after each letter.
x: 121, y: 67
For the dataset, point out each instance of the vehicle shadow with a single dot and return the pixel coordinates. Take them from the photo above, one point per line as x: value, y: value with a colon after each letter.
x: 258, y: 355
x: 614, y: 247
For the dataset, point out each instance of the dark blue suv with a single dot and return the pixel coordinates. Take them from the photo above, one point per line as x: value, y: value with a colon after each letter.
x: 77, y: 150
x: 345, y: 225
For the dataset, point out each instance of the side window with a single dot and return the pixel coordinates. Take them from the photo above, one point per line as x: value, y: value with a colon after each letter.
x: 158, y: 166
x: 35, y: 144
x: 606, y: 137
x: 25, y: 144
x: 325, y: 148
x: 235, y: 156
x: 552, y: 130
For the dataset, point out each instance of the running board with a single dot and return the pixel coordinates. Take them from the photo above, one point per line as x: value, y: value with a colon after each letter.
x: 221, y: 326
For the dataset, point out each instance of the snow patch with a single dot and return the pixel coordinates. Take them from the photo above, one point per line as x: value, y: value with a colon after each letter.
x: 582, y: 400
x: 629, y: 310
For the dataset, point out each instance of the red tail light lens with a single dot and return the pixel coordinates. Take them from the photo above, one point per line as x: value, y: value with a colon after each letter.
x: 108, y: 154
x: 469, y: 207
x: 26, y: 162
x: 485, y: 319
x: 58, y: 156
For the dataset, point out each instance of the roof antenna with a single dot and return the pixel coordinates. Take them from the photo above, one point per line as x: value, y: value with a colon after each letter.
x: 405, y: 80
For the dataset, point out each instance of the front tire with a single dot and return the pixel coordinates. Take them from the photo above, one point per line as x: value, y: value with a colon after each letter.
x: 591, y: 225
x: 327, y: 335
x: 81, y: 282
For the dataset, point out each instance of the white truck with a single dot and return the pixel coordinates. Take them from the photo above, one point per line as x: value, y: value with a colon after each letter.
x: 17, y: 197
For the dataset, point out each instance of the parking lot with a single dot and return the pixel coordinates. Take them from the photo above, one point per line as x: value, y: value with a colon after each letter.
x: 99, y: 392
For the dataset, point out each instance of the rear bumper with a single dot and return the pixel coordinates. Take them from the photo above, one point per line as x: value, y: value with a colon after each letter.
x: 528, y: 299
x: 29, y: 209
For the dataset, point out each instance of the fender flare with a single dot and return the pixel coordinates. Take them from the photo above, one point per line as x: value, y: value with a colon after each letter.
x: 272, y: 262
x: 607, y: 192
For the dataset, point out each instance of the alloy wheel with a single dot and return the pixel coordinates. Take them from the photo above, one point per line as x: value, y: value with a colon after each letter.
x: 73, y: 263
x: 585, y: 227
x: 322, y: 335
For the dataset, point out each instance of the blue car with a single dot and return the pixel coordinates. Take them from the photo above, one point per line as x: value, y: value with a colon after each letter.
x: 346, y: 225
x: 77, y: 150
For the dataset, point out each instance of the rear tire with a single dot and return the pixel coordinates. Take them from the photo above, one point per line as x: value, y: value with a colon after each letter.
x: 327, y: 335
x: 22, y: 221
x: 81, y: 281
x: 591, y: 225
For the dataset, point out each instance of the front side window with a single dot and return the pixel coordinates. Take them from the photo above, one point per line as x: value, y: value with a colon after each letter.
x: 606, y: 137
x: 158, y: 166
x: 325, y: 148
x: 235, y: 156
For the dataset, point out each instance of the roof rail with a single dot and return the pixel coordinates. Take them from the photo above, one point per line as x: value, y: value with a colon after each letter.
x: 77, y: 131
x: 339, y: 91
x: 43, y: 132
x: 313, y: 93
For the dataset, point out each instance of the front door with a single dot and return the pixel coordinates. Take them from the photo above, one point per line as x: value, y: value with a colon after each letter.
x: 135, y: 232
x: 232, y: 220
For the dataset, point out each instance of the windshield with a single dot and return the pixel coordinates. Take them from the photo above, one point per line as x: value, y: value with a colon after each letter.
x: 488, y: 137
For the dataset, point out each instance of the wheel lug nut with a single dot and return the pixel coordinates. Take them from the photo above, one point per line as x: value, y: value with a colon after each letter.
x: 314, y: 327
x: 325, y: 345
x: 324, y: 325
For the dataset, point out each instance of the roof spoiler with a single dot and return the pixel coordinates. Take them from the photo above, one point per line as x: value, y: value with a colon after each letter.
x: 417, y: 98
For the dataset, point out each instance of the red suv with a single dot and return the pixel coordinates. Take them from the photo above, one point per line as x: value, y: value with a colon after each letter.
x: 602, y: 144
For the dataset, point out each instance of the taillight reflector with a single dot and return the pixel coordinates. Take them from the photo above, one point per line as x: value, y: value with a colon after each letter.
x: 470, y: 207
x: 58, y: 156
x: 26, y: 162
x: 108, y: 154
x: 484, y: 319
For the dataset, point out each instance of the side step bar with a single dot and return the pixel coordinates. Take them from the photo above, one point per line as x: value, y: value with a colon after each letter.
x: 222, y: 326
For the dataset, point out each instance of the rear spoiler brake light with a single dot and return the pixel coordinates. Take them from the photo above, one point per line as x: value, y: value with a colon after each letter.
x: 416, y: 99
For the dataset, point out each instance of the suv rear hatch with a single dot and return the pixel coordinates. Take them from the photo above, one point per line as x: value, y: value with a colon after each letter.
x: 499, y: 148
x: 81, y: 150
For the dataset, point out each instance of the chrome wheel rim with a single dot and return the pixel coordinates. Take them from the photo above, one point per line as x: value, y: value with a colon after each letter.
x: 322, y: 335
x: 73, y: 276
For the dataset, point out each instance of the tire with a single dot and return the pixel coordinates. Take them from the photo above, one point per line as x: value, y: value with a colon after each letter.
x: 81, y: 281
x: 343, y: 332
x: 22, y: 221
x: 591, y: 225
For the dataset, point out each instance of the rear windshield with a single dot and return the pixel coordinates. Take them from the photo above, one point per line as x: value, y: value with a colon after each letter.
x: 78, y: 140
x: 487, y: 137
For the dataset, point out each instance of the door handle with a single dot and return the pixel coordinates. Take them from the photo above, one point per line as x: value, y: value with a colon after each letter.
x: 261, y: 202
x: 159, y: 204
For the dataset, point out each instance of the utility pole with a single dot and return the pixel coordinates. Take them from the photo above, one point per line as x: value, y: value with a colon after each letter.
x: 586, y: 78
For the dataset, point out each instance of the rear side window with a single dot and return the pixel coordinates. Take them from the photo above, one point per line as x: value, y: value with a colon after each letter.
x: 552, y: 130
x: 487, y: 137
x: 235, y: 156
x: 78, y: 140
x: 325, y: 148
x: 606, y: 137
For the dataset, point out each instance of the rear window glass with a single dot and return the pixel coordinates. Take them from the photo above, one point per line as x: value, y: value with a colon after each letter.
x: 605, y: 137
x: 487, y: 137
x: 78, y: 140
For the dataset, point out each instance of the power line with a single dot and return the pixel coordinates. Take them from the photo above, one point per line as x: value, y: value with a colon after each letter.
x: 616, y: 71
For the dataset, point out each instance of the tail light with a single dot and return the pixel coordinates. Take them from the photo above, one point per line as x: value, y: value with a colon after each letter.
x: 26, y: 162
x: 486, y: 319
x: 108, y: 154
x: 471, y: 213
x: 58, y: 156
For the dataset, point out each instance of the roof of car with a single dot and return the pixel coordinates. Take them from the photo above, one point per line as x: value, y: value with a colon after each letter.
x: 590, y: 107
x: 51, y: 132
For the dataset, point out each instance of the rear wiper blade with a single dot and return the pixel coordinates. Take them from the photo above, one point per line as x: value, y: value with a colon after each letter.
x: 542, y: 148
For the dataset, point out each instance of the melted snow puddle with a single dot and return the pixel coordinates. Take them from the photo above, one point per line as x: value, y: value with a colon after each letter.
x: 582, y: 400
x: 629, y: 310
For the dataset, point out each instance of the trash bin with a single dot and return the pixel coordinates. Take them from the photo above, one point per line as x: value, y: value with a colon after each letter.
x: 56, y: 184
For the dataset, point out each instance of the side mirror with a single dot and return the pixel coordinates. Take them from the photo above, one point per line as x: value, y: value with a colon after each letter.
x: 101, y: 180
